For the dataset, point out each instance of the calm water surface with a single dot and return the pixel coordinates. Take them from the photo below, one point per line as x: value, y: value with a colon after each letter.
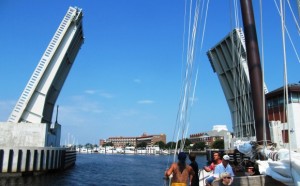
x: 107, y: 170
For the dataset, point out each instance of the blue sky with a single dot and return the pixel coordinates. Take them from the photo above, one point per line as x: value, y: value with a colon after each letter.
x: 126, y: 79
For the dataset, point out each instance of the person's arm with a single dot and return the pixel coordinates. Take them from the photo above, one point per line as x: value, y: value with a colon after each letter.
x: 191, y: 178
x: 192, y: 174
x: 209, y: 168
x: 169, y: 171
x: 206, y: 168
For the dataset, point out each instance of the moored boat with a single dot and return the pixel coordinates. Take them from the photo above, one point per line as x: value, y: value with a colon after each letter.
x: 129, y: 150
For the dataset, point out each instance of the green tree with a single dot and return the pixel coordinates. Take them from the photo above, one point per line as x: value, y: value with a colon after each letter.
x: 187, y: 143
x: 89, y: 146
x: 218, y: 144
x: 199, y: 146
x: 109, y: 144
x: 128, y: 145
x: 161, y: 144
x: 171, y: 145
x: 178, y: 144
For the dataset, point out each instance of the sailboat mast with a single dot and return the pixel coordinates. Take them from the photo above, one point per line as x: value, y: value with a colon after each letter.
x: 255, y: 70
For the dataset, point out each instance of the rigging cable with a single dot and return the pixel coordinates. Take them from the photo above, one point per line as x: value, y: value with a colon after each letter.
x: 188, y: 88
x: 189, y: 73
x: 286, y: 82
x: 234, y: 72
x: 237, y: 115
x: 294, y: 17
x: 288, y: 34
x: 181, y: 114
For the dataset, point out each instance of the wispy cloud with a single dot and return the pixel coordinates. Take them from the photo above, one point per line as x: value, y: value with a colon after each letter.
x: 125, y: 113
x: 106, y: 95
x: 82, y: 104
x: 145, y: 101
x: 137, y: 80
x: 128, y: 113
x: 90, y: 91
x: 100, y: 93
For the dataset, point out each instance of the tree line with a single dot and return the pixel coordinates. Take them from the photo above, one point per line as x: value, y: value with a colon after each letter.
x: 218, y: 144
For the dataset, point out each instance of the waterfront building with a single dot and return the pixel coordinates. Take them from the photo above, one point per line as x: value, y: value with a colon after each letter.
x: 278, y: 119
x: 101, y: 142
x: 218, y: 132
x: 151, y: 139
x: 133, y: 141
x: 122, y: 141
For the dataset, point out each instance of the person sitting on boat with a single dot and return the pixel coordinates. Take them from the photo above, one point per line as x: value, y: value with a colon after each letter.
x: 182, y: 173
x: 250, y: 168
x: 224, y: 167
x: 211, y: 167
x: 194, y: 165
x: 225, y: 179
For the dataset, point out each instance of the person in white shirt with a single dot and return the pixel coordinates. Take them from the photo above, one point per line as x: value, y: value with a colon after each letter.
x: 224, y: 167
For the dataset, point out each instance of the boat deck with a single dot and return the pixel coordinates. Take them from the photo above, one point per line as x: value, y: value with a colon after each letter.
x: 257, y: 180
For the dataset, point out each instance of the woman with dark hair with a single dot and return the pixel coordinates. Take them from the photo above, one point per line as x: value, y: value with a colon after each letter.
x: 182, y: 173
x: 194, y: 165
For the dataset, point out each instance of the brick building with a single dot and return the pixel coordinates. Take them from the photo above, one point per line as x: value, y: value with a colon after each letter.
x: 122, y: 141
x: 133, y: 141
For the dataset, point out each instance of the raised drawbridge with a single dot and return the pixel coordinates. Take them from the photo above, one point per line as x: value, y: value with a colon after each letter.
x: 28, y: 141
x: 228, y: 59
x: 30, y: 122
x: 37, y: 102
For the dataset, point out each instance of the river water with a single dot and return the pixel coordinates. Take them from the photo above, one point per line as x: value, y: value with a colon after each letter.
x: 107, y: 170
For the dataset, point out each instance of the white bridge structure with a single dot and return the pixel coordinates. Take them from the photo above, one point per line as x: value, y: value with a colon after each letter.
x: 228, y: 59
x: 29, y: 140
x: 36, y: 104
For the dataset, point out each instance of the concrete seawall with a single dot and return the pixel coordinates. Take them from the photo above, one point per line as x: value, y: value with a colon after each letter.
x: 34, y: 160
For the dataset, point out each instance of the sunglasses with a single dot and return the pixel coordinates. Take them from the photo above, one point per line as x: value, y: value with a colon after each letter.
x: 228, y: 177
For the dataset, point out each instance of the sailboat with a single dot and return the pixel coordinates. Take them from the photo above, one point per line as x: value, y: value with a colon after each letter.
x: 277, y: 164
x: 256, y: 139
